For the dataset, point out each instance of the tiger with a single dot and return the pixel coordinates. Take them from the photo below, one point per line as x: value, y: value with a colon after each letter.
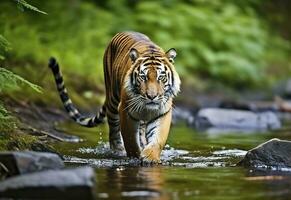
x: 140, y: 83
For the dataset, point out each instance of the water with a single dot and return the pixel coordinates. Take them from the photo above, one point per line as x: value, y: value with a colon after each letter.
x: 195, y: 165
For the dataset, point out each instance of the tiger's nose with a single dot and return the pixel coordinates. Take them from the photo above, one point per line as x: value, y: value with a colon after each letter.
x: 151, y: 96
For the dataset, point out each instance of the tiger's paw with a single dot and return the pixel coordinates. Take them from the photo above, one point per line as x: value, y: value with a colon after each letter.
x: 118, y: 153
x: 151, y: 155
x: 118, y: 150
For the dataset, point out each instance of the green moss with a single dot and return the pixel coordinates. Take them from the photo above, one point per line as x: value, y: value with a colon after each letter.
x: 7, y: 122
x: 16, y: 141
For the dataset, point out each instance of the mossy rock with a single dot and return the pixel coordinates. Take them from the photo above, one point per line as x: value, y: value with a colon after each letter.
x: 22, y: 141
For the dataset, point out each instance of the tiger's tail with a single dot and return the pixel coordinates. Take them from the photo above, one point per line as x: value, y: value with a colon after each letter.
x: 67, y: 102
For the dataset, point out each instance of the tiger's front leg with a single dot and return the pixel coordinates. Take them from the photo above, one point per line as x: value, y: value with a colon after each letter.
x: 130, y: 134
x: 156, y: 136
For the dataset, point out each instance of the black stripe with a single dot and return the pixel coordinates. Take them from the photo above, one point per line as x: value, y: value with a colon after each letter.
x: 69, y: 107
x: 59, y: 80
x: 64, y: 96
x: 115, y: 98
x: 149, y: 135
x: 147, y: 63
x: 112, y: 109
x: 159, y: 116
x: 53, y: 65
x: 61, y: 87
x: 102, y: 114
x: 90, y: 123
x: 147, y: 59
x: 97, y: 120
x: 152, y: 46
x: 152, y: 63
x: 113, y: 121
x: 150, y: 132
x: 172, y: 74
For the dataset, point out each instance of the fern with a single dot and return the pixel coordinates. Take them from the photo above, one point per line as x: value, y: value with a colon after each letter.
x: 10, y: 81
x: 4, y: 43
x: 7, y: 122
x: 21, y: 4
x: 4, y: 46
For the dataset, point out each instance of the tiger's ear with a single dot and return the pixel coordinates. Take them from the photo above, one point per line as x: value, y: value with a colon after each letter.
x: 133, y: 54
x: 171, y: 54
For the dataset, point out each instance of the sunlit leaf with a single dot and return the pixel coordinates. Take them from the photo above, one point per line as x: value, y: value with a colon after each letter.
x: 10, y: 81
x: 21, y: 4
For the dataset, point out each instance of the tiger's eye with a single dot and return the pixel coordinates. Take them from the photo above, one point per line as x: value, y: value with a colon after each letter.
x: 162, y: 76
x: 143, y: 76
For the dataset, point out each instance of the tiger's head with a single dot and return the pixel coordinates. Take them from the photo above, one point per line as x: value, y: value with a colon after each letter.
x: 152, y: 81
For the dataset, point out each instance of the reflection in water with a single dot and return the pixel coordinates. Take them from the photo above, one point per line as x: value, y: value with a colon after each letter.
x: 138, y: 183
x: 276, y: 183
x: 200, y: 172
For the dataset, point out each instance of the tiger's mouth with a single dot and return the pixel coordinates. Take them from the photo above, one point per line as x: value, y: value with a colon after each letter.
x: 152, y: 105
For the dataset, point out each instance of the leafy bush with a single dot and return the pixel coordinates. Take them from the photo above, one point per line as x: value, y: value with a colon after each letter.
x: 215, y: 40
x: 224, y: 41
x: 10, y: 81
x: 4, y: 47
x: 7, y: 122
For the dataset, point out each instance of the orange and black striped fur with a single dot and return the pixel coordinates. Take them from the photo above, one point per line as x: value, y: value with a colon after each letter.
x: 140, y: 81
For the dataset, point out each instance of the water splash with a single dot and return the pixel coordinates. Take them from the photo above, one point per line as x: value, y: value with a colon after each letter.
x: 230, y: 152
x: 142, y: 193
x: 169, y: 157
x: 170, y: 153
x: 102, y: 149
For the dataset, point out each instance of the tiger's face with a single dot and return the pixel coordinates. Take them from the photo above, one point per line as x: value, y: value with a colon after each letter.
x: 153, y: 81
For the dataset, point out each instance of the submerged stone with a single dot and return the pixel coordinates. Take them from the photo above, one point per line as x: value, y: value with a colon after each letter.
x: 52, y: 184
x: 273, y: 153
x: 229, y: 118
x: 29, y: 161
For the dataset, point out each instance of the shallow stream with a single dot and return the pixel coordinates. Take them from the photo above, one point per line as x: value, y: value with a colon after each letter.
x: 196, y: 165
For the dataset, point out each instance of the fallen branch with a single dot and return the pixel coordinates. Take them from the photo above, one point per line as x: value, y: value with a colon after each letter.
x: 40, y: 132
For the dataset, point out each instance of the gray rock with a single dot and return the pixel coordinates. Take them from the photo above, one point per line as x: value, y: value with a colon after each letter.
x: 275, y: 153
x: 29, y: 161
x: 229, y: 118
x: 52, y: 184
x: 181, y: 114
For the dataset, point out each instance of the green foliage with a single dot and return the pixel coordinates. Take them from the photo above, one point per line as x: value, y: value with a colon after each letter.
x: 7, y: 122
x: 21, y: 4
x: 10, y: 81
x: 17, y: 141
x: 4, y: 47
x: 214, y: 39
x: 222, y: 41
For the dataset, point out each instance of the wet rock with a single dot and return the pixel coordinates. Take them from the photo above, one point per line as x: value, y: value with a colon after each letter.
x: 181, y: 114
x: 52, y: 184
x: 228, y: 118
x: 29, y: 161
x: 275, y: 153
